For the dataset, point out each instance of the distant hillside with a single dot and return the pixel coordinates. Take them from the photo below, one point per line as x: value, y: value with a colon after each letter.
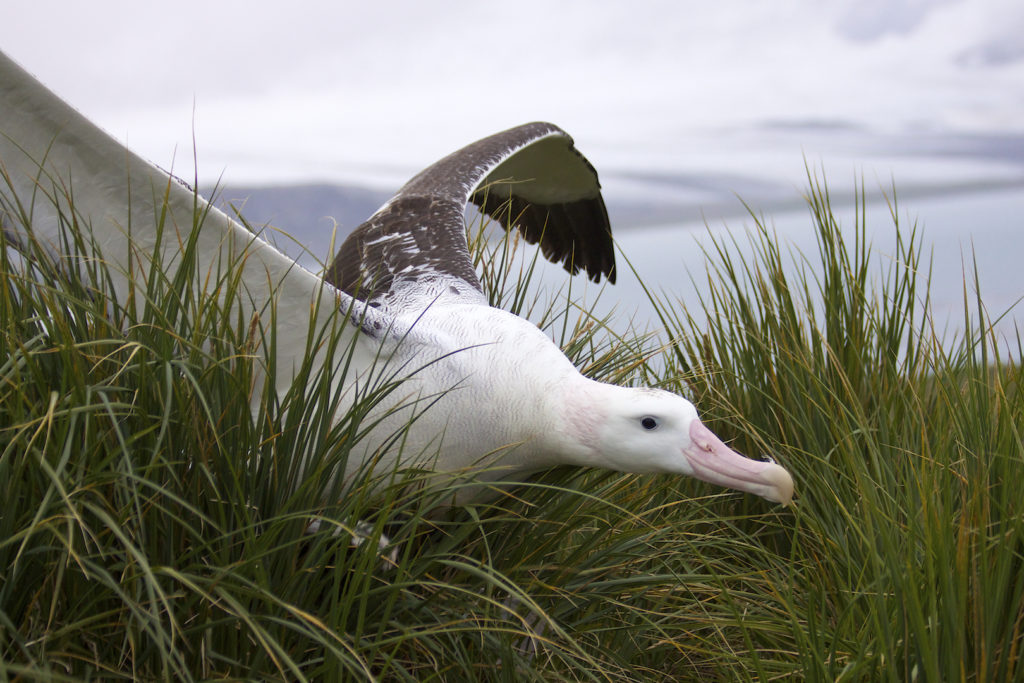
x: 309, y: 213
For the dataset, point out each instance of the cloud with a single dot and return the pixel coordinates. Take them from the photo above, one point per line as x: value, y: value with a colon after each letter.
x: 339, y: 90
x: 869, y: 20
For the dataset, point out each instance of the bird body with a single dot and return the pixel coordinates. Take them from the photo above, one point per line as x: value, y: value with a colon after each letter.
x: 488, y: 390
x: 471, y: 364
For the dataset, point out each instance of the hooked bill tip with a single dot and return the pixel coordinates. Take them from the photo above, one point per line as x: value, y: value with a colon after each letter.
x: 781, y: 482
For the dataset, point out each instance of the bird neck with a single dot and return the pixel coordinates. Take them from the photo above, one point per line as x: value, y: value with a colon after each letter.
x: 578, y: 412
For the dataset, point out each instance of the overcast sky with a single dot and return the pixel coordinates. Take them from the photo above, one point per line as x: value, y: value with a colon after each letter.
x: 373, y: 91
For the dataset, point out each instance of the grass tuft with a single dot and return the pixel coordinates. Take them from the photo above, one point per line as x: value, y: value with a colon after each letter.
x: 154, y: 526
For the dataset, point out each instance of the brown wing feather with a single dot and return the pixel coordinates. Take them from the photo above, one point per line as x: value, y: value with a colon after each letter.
x: 530, y: 177
x: 402, y: 239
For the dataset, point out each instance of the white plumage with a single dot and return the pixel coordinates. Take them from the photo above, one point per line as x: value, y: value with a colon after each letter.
x: 502, y: 396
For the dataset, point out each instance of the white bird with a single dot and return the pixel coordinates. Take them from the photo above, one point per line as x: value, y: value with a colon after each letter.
x: 495, y: 393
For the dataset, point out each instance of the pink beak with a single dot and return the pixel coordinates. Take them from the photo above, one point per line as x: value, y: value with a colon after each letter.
x: 714, y: 462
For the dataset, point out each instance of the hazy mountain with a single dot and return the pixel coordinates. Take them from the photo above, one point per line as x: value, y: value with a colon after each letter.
x: 926, y: 163
x: 309, y: 213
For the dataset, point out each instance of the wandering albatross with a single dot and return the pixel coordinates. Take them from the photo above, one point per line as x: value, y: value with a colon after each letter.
x: 502, y: 396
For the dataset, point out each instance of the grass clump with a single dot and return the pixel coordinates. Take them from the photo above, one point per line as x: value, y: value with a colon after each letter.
x: 154, y: 526
x: 905, y: 553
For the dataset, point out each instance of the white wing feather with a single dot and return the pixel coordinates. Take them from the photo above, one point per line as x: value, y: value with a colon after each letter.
x: 52, y: 157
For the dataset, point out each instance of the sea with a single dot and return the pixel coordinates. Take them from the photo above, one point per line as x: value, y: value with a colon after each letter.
x: 971, y: 242
x: 964, y: 202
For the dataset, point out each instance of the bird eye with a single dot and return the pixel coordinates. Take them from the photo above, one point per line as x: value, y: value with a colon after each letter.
x: 648, y: 423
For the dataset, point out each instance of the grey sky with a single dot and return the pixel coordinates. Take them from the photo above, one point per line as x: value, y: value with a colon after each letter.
x: 347, y: 91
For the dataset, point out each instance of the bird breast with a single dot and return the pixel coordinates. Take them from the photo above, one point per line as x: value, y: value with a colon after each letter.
x: 499, y: 374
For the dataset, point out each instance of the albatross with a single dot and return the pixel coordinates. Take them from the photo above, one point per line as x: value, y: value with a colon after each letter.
x: 490, y: 391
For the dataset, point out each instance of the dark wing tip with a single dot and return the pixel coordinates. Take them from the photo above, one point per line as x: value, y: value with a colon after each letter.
x: 551, y: 192
x: 576, y: 234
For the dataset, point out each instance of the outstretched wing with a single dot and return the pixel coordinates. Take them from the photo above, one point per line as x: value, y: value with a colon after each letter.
x: 55, y: 164
x: 413, y: 250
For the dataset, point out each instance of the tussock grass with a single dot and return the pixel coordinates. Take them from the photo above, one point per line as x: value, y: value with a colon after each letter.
x: 153, y: 525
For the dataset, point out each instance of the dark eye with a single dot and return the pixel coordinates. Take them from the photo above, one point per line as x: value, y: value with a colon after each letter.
x: 648, y: 423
